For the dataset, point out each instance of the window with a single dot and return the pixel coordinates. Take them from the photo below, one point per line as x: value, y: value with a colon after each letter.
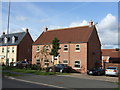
x: 46, y: 62
x: 77, y: 47
x: 2, y: 50
x: 13, y: 39
x: 77, y: 64
x: 7, y: 61
x: 47, y: 48
x: 65, y: 47
x: 102, y: 57
x: 12, y: 59
x: 12, y: 49
x: 65, y: 62
x: 5, y: 40
x: 38, y: 49
x: 8, y: 49
x: 38, y: 61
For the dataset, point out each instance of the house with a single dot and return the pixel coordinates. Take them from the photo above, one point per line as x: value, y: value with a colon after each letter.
x: 80, y: 47
x: 110, y: 56
x: 15, y: 47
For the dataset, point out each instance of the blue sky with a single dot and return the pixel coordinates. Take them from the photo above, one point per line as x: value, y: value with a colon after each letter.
x: 37, y: 15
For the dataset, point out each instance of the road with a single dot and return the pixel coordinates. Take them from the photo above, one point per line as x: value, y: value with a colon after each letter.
x: 53, y: 81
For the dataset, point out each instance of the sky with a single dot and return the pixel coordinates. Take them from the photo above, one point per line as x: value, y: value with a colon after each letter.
x: 38, y: 15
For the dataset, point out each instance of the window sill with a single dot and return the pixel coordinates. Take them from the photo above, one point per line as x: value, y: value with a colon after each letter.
x: 77, y: 51
x: 65, y: 51
x: 76, y: 68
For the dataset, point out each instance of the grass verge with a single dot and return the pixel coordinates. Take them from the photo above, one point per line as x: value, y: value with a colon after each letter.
x: 36, y: 72
x: 9, y: 74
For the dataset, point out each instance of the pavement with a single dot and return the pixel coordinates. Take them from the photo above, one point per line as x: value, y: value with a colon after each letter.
x: 85, y: 76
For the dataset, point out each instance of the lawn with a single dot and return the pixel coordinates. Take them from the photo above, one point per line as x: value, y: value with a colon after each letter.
x: 36, y: 72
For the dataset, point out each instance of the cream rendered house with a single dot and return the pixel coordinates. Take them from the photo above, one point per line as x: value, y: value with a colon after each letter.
x: 15, y: 47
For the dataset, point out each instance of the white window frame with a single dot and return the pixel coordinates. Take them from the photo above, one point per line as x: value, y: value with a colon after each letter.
x: 5, y: 40
x: 46, y: 62
x: 13, y: 49
x: 13, y: 39
x: 8, y: 50
x: 65, y: 48
x: 3, y: 49
x: 77, y: 47
x: 37, y: 60
x: 37, y: 49
x: 65, y: 63
x: 77, y: 64
x: 47, y: 48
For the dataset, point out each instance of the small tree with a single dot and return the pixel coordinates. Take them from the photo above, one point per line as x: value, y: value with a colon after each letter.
x: 55, y: 47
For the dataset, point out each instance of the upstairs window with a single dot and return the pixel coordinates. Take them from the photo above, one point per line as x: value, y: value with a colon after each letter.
x: 46, y: 48
x: 77, y: 64
x: 13, y: 39
x: 77, y: 47
x: 13, y: 50
x: 5, y: 40
x: 38, y: 49
x: 8, y: 49
x: 65, y: 48
x: 2, y: 50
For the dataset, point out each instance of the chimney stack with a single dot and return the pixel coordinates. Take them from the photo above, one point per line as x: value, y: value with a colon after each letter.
x: 3, y: 33
x: 45, y: 29
x: 26, y: 30
x: 90, y: 23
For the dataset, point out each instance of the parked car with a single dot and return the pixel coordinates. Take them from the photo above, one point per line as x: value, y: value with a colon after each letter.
x: 96, y: 71
x: 20, y: 64
x: 59, y: 68
x: 112, y: 71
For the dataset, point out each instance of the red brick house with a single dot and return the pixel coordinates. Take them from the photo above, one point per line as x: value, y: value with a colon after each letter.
x: 15, y: 47
x: 80, y: 47
x: 111, y: 56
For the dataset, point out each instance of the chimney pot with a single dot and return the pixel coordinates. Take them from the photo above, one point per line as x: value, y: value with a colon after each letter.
x: 3, y: 33
x: 26, y: 30
x: 45, y: 29
x: 91, y: 23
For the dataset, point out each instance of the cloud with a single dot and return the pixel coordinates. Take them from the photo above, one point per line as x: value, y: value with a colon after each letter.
x: 21, y: 18
x: 78, y: 23
x: 108, y: 30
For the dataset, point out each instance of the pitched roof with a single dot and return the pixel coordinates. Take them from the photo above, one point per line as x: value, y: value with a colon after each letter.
x: 111, y: 52
x: 18, y: 36
x: 107, y: 52
x: 66, y: 35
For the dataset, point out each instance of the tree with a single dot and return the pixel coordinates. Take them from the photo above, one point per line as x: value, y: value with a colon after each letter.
x: 54, y: 51
x: 55, y: 47
x: 42, y: 54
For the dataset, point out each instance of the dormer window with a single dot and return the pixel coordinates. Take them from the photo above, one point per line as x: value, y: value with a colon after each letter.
x: 5, y: 40
x: 13, y: 39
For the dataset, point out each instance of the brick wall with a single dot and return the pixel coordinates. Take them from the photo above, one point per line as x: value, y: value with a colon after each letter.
x: 111, y: 65
x: 70, y: 56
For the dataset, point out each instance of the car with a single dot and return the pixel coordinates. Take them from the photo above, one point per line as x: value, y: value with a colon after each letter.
x: 112, y: 71
x: 96, y: 71
x: 59, y: 68
x: 20, y: 64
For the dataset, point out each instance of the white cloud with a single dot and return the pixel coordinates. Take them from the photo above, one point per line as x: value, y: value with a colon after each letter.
x: 54, y: 27
x: 108, y: 31
x: 21, y: 18
x: 78, y: 23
